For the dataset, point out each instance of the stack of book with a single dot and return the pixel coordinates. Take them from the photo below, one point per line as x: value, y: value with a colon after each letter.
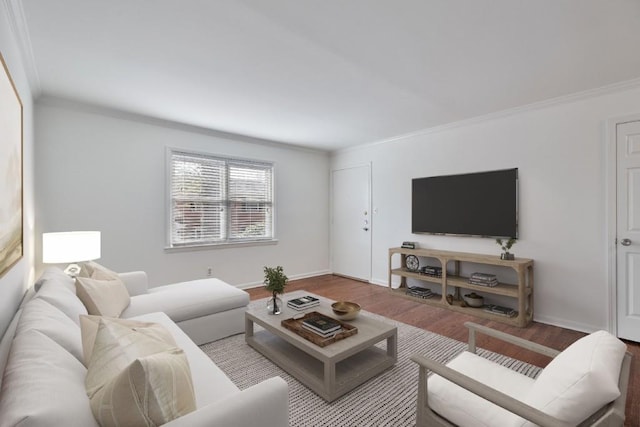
x: 483, y: 279
x: 502, y: 311
x: 430, y: 270
x: 303, y: 303
x: 322, y: 325
x: 419, y: 292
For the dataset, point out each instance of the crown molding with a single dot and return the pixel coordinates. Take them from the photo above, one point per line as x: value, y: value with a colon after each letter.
x: 20, y: 31
x: 565, y: 99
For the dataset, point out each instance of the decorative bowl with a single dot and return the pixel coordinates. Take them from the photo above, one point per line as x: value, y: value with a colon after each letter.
x: 345, y: 310
x: 474, y: 300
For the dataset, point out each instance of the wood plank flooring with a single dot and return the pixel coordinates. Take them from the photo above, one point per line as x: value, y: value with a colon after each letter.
x: 378, y: 299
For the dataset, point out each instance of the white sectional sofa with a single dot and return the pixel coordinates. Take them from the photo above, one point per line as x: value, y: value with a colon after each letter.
x: 206, y: 310
x: 44, y: 378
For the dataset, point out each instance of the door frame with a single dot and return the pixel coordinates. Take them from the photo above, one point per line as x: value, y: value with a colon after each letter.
x: 369, y: 166
x: 611, y: 215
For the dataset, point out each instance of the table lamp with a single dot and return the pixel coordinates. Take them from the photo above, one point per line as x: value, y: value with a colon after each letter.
x: 70, y: 247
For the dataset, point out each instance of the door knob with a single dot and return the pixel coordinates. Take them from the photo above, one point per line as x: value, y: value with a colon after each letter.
x: 625, y: 242
x: 365, y: 228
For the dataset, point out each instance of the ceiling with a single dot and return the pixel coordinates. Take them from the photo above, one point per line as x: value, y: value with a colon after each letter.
x: 320, y: 73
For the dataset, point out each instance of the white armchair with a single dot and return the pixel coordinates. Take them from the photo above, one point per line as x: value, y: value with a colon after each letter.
x: 585, y: 385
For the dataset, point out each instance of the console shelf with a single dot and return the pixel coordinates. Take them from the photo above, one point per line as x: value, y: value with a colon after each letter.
x: 521, y: 292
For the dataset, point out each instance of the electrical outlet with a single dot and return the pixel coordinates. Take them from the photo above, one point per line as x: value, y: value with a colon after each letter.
x: 209, y: 271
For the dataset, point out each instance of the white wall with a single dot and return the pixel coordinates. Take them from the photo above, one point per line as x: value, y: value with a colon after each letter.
x: 104, y: 170
x: 560, y: 151
x: 15, y: 281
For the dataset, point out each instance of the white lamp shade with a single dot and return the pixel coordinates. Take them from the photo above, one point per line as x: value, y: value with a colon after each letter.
x: 71, y: 246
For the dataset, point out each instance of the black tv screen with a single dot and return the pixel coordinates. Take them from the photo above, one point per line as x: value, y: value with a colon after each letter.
x: 474, y: 204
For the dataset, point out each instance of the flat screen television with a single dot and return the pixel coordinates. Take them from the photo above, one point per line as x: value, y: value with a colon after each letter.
x: 474, y: 204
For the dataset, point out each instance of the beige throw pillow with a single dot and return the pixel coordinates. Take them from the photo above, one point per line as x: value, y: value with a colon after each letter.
x: 102, y: 297
x: 96, y: 271
x: 89, y: 329
x: 115, y: 347
x: 151, y: 391
x: 136, y: 379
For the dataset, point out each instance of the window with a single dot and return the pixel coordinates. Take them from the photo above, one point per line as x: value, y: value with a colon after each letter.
x: 214, y: 200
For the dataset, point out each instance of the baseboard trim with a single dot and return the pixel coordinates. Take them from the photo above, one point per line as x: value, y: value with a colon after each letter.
x: 566, y: 324
x: 258, y: 284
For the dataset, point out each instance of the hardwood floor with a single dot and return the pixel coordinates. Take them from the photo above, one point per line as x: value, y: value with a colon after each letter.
x: 378, y: 299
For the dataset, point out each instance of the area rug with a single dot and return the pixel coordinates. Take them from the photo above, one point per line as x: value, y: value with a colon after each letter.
x: 386, y: 400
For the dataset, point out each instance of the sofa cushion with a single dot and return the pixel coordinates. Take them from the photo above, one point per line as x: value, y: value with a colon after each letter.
x: 102, y: 297
x: 56, y: 275
x: 64, y: 299
x: 210, y: 383
x: 152, y: 389
x: 90, y: 324
x: 464, y: 408
x: 135, y: 281
x: 41, y: 316
x: 188, y: 300
x: 581, y: 379
x: 43, y: 385
x: 5, y: 342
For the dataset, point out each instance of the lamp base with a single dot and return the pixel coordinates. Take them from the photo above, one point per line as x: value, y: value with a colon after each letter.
x: 72, y: 270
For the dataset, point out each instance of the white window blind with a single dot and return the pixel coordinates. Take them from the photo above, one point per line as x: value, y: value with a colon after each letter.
x: 216, y: 200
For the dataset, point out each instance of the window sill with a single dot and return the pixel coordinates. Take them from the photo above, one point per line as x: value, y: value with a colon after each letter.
x: 210, y: 246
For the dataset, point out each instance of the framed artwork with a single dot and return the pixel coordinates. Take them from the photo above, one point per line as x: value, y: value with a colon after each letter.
x: 11, y: 222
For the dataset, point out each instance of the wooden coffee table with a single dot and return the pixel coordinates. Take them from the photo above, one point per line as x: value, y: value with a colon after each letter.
x: 329, y: 371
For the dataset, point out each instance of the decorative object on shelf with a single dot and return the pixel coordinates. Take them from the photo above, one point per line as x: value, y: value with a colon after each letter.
x: 345, y: 310
x: 409, y: 245
x: 432, y: 271
x: 417, y: 291
x: 473, y: 300
x: 506, y: 245
x: 275, y: 281
x: 483, y: 279
x: 500, y: 310
x: 413, y: 263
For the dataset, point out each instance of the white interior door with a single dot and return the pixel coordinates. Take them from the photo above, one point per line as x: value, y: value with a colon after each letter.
x: 628, y: 230
x: 351, y: 222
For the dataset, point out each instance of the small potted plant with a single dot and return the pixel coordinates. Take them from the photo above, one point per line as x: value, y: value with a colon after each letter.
x: 506, y: 245
x: 274, y: 281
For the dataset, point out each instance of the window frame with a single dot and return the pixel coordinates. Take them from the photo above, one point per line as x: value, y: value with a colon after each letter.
x: 227, y: 202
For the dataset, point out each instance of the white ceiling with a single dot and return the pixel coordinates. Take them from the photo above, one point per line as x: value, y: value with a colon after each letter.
x: 321, y: 73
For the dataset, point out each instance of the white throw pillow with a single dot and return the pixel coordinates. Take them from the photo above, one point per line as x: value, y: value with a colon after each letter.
x: 137, y: 379
x: 102, y: 297
x: 89, y: 328
x: 580, y: 380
